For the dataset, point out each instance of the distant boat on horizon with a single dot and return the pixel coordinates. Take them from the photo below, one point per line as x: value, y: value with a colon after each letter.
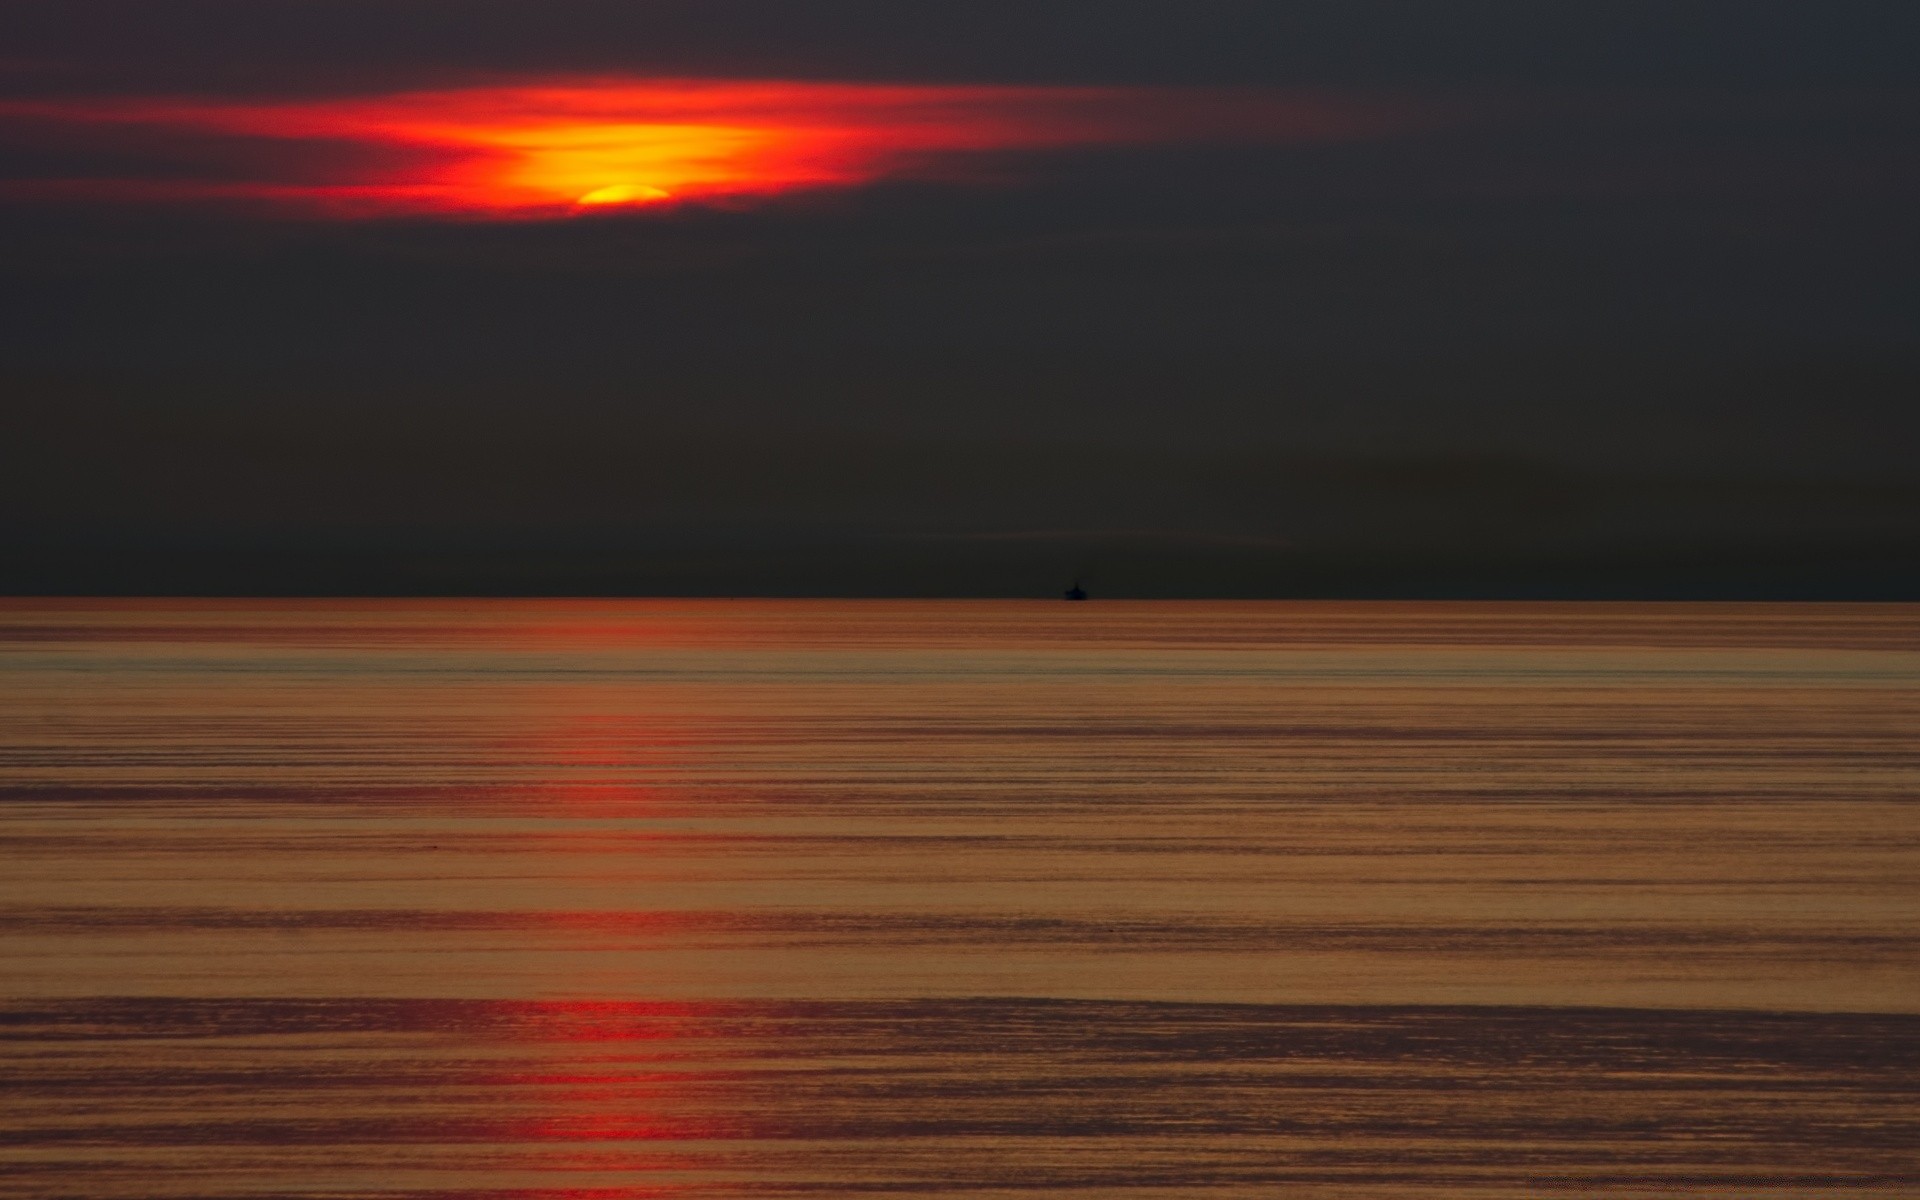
x: 1076, y: 592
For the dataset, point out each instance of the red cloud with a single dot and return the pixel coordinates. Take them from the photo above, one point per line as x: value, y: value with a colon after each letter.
x: 557, y: 147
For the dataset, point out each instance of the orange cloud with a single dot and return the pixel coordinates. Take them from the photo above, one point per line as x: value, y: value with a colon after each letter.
x: 555, y: 148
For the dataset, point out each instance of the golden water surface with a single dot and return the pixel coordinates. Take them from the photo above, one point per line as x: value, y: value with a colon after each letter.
x: 744, y: 898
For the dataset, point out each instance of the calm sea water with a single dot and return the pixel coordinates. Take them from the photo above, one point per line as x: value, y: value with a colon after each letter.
x: 711, y: 898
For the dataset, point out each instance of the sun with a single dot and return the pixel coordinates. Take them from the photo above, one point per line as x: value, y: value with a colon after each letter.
x: 623, y: 194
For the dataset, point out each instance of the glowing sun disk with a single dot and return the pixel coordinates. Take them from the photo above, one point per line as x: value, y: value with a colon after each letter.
x: 625, y: 193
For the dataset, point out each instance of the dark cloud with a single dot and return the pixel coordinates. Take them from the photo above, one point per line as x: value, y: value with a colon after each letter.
x: 354, y: 44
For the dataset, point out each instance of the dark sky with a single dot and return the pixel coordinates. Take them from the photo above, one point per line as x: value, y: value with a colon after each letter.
x: 1620, y: 300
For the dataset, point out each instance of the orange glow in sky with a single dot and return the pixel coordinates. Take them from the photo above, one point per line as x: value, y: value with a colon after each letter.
x: 556, y: 148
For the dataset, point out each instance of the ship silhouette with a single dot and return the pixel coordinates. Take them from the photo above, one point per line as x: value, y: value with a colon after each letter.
x: 1076, y: 592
